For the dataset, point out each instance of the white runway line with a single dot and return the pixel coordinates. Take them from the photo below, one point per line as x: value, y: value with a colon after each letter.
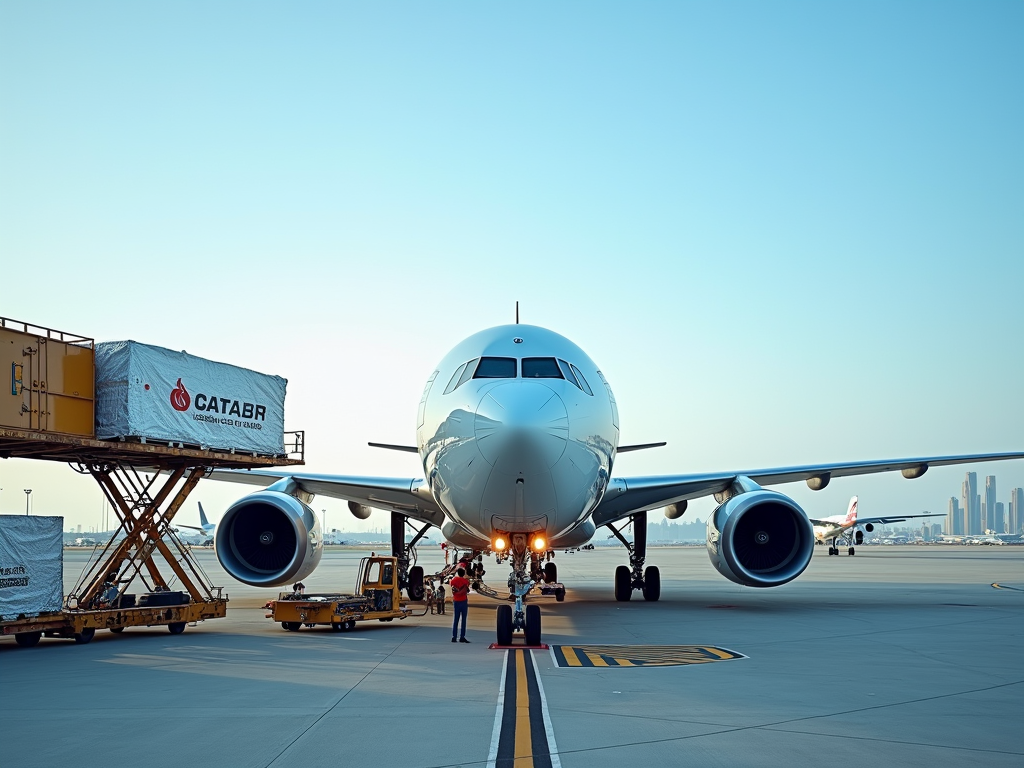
x: 548, y: 730
x: 492, y: 755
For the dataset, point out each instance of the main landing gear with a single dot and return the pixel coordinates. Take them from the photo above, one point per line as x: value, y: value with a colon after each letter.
x: 410, y: 575
x: 834, y: 550
x: 635, y: 576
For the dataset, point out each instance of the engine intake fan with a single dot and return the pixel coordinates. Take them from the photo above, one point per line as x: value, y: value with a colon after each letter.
x: 760, y: 539
x: 268, y: 539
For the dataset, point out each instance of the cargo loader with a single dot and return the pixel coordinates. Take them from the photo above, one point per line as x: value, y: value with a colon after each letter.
x: 377, y: 597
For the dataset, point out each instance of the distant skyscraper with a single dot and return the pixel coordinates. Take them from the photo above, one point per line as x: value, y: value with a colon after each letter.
x: 1000, y: 519
x: 954, y: 518
x: 988, y: 520
x: 1016, y: 510
x: 972, y: 505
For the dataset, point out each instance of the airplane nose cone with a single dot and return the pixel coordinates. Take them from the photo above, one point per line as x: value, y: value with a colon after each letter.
x: 522, y: 427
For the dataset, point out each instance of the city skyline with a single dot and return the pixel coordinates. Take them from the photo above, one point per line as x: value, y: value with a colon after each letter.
x: 970, y: 516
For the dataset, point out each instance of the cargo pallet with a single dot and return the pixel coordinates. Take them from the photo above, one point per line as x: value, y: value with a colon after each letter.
x: 146, y: 484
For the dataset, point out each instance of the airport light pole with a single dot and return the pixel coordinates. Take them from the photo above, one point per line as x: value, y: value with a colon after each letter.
x: 326, y: 532
x: 28, y: 494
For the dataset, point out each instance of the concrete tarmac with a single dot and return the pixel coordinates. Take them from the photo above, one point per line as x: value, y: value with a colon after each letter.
x: 897, y: 656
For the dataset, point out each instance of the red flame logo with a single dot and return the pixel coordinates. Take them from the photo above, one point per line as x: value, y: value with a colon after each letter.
x: 180, y: 399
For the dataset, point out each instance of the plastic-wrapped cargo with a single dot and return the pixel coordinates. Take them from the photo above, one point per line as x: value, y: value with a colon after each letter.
x: 143, y: 391
x: 31, y: 566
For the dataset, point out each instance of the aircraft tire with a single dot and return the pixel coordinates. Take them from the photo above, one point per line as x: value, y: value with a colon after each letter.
x: 533, y: 625
x: 652, y: 584
x: 550, y: 573
x: 504, y: 616
x: 27, y: 639
x: 851, y: 551
x: 415, y: 587
x: 623, y: 587
x: 85, y: 635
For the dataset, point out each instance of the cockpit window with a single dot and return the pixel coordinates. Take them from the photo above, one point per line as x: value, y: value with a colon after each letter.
x: 541, y: 368
x: 496, y: 368
x: 455, y: 379
x: 583, y: 382
x: 567, y: 372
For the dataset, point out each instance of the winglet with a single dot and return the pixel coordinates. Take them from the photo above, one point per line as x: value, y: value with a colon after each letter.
x: 202, y: 515
x: 641, y: 447
x: 403, y: 448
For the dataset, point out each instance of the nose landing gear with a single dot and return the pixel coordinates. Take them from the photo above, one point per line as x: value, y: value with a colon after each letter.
x: 635, y: 576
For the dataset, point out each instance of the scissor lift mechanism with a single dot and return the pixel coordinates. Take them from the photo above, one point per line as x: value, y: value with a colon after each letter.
x: 146, y: 484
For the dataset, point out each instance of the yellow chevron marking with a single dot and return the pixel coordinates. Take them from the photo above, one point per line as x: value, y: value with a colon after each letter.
x: 640, y: 655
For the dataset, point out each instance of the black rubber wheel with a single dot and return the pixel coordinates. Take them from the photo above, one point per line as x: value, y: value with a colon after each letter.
x: 27, y: 639
x: 623, y: 586
x: 550, y: 573
x: 176, y: 628
x: 339, y: 627
x: 652, y: 584
x: 291, y: 626
x: 350, y: 624
x: 85, y: 635
x: 533, y: 625
x: 851, y: 551
x: 117, y: 630
x: 560, y: 594
x: 415, y: 587
x: 505, y: 624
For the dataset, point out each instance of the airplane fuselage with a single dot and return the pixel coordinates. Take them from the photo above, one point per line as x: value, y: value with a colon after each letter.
x: 517, y: 431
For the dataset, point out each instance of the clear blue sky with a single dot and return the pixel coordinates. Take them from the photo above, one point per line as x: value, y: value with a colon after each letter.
x: 788, y: 232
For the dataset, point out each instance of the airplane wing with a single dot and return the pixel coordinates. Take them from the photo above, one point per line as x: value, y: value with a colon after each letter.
x: 190, y: 527
x: 409, y: 496
x: 888, y: 520
x: 626, y: 495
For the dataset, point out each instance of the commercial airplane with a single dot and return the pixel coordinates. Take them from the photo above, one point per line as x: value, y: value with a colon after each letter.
x: 205, y: 526
x: 847, y: 528
x: 517, y: 432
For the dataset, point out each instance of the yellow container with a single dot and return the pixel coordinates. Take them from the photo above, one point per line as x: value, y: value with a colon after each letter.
x: 49, y: 380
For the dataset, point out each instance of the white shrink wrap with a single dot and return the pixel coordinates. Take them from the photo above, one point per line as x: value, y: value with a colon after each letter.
x: 150, y: 392
x: 31, y: 566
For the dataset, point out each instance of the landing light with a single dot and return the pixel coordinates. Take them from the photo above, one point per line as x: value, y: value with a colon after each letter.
x: 500, y: 544
x: 539, y: 545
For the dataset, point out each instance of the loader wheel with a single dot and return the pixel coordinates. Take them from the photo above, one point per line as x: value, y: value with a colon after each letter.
x: 27, y: 639
x: 176, y: 628
x: 560, y: 594
x: 291, y: 626
x: 550, y: 573
x: 415, y: 587
x: 533, y: 625
x: 85, y: 635
x: 117, y: 630
x: 505, y: 624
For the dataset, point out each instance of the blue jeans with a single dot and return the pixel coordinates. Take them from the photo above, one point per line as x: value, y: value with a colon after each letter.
x: 461, y: 611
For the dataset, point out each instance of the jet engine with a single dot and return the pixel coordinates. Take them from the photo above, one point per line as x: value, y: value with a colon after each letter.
x: 869, y: 527
x: 760, y: 539
x: 859, y: 537
x: 269, y: 538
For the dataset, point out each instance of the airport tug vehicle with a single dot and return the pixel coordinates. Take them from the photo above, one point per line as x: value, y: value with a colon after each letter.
x: 377, y: 597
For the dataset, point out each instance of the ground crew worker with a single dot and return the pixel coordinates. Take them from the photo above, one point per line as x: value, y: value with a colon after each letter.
x: 460, y: 593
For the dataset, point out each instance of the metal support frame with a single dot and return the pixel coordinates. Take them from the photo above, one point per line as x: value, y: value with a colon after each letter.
x: 637, y: 548
x: 145, y: 506
x: 406, y: 553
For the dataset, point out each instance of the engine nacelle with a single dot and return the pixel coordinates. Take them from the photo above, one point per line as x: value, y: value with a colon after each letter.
x: 760, y: 539
x: 360, y: 511
x: 869, y: 527
x: 268, y: 538
x: 675, y: 511
x: 858, y: 537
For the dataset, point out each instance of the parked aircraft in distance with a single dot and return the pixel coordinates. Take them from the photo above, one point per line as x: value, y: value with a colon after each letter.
x: 849, y: 530
x: 517, y: 433
x: 205, y: 526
